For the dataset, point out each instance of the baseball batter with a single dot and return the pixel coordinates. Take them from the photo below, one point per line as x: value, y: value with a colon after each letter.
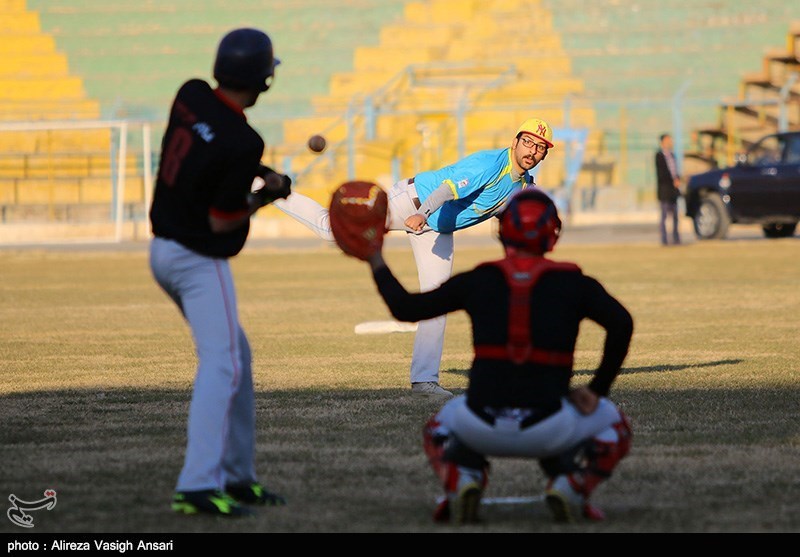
x: 200, y: 218
x: 430, y: 207
x: 525, y: 311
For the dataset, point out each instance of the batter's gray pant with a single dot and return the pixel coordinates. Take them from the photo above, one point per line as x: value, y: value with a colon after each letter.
x: 220, y: 447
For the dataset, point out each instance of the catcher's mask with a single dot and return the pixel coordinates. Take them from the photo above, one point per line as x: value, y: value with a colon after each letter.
x: 530, y: 222
x: 245, y: 60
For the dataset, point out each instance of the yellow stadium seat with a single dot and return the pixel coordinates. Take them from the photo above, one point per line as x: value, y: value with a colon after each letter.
x: 485, y: 53
x: 48, y: 191
x: 41, y: 88
x: 12, y: 6
x: 377, y: 57
x: 49, y: 109
x: 56, y: 165
x: 19, y: 22
x: 8, y: 190
x: 96, y: 190
x: 21, y: 66
x: 297, y: 130
x: 27, y: 44
x: 441, y: 11
x: 350, y: 84
x: 437, y: 35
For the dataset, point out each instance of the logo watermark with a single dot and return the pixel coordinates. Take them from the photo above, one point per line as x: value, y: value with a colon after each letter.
x: 16, y: 513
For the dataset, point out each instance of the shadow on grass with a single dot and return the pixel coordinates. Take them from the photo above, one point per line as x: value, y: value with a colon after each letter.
x: 351, y: 459
x: 459, y: 372
x: 640, y: 369
x: 668, y: 367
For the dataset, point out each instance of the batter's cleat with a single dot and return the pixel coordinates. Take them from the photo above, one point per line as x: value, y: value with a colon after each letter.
x: 564, y: 502
x: 209, y: 501
x: 430, y: 389
x: 254, y: 494
x: 467, y: 504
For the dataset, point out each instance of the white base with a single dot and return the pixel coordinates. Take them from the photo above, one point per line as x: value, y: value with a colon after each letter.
x: 505, y: 500
x: 384, y: 327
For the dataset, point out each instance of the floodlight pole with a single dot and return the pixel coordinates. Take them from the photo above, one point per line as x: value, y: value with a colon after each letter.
x: 677, y: 124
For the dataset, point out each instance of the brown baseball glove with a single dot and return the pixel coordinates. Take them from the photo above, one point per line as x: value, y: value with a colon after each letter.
x: 358, y: 218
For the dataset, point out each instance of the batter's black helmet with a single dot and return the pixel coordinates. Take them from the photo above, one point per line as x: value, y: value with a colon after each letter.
x: 530, y: 221
x: 245, y: 60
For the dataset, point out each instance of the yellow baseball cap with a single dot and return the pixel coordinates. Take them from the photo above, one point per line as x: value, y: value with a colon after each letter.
x: 538, y: 128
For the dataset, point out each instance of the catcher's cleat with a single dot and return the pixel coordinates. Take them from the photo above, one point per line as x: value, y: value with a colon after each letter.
x: 467, y: 504
x: 209, y: 501
x: 564, y: 502
x: 442, y: 511
x: 430, y: 389
x: 590, y: 512
x: 254, y: 494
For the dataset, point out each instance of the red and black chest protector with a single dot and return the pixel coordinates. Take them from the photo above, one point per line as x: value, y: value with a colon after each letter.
x: 521, y: 276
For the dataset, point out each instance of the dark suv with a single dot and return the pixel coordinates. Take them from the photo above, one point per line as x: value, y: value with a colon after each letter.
x: 762, y: 188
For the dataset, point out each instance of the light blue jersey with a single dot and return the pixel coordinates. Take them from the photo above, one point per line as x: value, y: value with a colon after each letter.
x: 481, y: 184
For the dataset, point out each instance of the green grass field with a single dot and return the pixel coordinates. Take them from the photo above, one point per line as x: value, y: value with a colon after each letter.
x: 96, y: 369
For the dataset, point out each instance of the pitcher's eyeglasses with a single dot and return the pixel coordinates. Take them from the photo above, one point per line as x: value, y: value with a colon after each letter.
x: 530, y: 143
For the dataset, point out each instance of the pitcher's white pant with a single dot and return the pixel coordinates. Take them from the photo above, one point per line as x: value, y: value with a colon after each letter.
x: 220, y: 448
x: 433, y: 254
x: 552, y: 436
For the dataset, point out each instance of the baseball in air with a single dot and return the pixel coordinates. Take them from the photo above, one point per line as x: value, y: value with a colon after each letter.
x: 317, y: 143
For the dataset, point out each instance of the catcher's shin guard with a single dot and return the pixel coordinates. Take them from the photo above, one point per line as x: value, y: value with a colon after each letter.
x: 434, y: 436
x: 464, y: 487
x: 601, y: 456
x: 463, y: 473
x: 467, y: 476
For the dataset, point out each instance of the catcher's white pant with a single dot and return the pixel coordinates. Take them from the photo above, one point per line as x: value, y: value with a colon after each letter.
x: 552, y: 436
x: 220, y: 448
x: 433, y: 254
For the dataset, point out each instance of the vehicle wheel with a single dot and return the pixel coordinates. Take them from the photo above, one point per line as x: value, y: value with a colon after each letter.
x: 711, y: 221
x: 779, y: 229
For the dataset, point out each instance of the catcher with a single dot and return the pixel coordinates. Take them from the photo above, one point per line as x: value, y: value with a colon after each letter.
x: 525, y: 311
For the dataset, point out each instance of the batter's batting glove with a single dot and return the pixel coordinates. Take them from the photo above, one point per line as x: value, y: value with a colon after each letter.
x: 276, y: 186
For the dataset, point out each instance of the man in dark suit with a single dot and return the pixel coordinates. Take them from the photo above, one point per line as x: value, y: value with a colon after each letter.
x: 668, y: 191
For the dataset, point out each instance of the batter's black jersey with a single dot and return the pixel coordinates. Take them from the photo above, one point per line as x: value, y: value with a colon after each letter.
x: 209, y: 158
x: 559, y: 301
